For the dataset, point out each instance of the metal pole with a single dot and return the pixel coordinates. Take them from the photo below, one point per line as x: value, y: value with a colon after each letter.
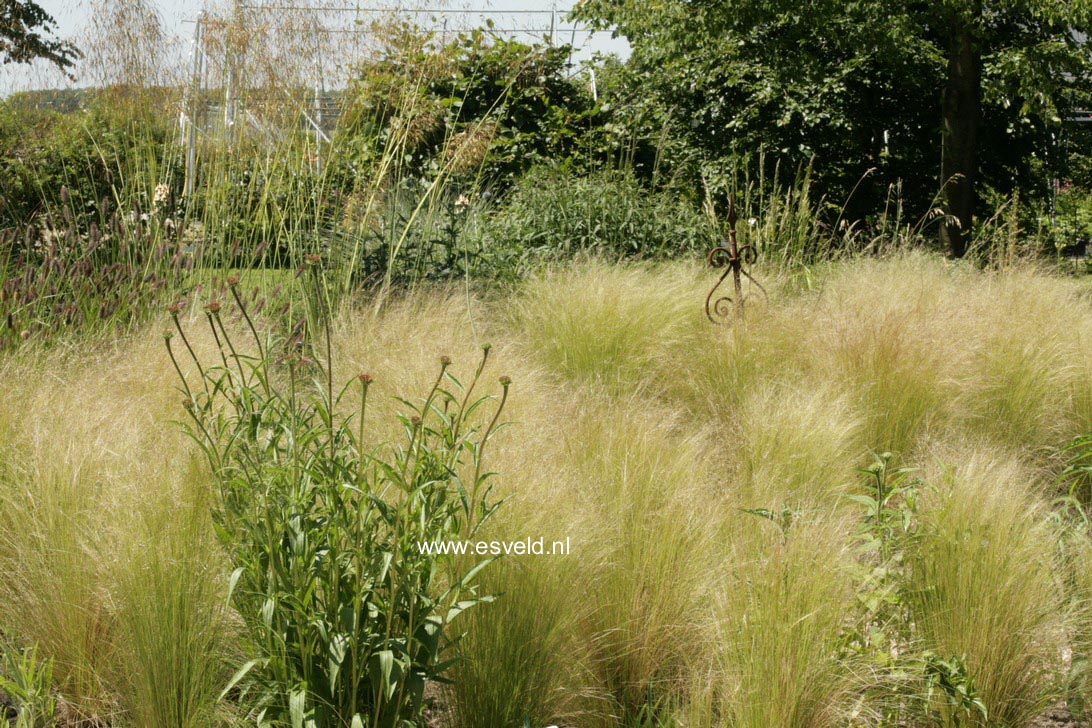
x: 227, y: 106
x: 232, y: 49
x: 736, y: 262
x: 318, y: 133
x: 194, y: 105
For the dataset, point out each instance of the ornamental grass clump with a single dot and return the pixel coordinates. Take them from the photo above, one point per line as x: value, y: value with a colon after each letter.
x: 984, y: 584
x: 347, y: 616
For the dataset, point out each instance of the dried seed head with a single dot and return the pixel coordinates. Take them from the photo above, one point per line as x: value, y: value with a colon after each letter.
x: 445, y: 361
x: 486, y: 347
x: 366, y: 379
x: 175, y: 308
x: 415, y: 421
x: 187, y: 403
x: 233, y: 281
x: 313, y: 258
x: 505, y: 381
x: 25, y: 334
x: 168, y: 335
x: 213, y: 307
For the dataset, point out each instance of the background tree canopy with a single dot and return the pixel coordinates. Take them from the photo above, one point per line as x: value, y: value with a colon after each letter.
x: 968, y: 92
x: 23, y: 30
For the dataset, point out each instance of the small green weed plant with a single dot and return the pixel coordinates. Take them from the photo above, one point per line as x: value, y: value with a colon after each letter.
x: 28, y: 682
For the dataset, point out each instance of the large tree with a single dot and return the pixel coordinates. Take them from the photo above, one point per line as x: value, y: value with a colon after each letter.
x: 867, y: 84
x: 24, y: 35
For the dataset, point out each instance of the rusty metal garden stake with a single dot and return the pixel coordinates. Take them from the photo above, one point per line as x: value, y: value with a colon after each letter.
x: 732, y: 258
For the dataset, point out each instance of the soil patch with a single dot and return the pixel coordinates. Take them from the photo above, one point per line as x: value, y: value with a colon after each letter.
x: 1059, y: 717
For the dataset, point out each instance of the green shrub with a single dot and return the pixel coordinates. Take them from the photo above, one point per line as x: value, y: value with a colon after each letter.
x: 1073, y: 217
x: 440, y: 241
x: 480, y: 105
x: 94, y: 152
x: 432, y: 130
x: 554, y: 213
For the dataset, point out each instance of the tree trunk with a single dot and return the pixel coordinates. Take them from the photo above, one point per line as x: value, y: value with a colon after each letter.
x: 958, y: 158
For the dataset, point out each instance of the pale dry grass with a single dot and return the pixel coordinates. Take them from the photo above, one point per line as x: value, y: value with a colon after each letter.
x: 641, y: 433
x: 985, y: 582
x: 109, y: 561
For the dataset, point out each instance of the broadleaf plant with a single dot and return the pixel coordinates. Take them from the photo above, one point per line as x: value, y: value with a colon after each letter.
x: 349, y: 618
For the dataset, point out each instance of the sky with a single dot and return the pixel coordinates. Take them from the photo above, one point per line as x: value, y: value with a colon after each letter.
x: 75, y: 16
